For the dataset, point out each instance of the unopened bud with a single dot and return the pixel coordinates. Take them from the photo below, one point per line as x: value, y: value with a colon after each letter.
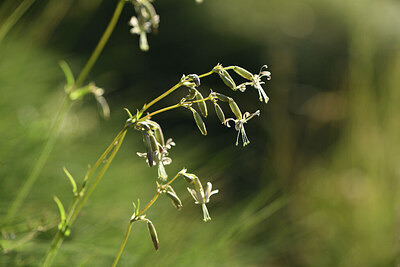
x: 153, y: 234
x: 195, y: 78
x: 244, y: 73
x: 235, y: 109
x: 202, y: 105
x: 149, y: 150
x: 221, y: 97
x: 227, y: 79
x: 220, y: 113
x: 175, y: 199
x: 199, y: 121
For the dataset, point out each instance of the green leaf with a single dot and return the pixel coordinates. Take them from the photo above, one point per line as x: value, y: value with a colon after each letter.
x: 72, y: 180
x: 129, y: 113
x: 60, y: 208
x: 69, y: 76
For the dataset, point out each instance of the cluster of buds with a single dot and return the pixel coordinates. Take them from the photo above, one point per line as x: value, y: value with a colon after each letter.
x: 147, y: 20
x: 192, y: 82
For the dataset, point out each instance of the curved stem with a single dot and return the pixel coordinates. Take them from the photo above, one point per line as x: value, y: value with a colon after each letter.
x: 43, y: 157
x: 14, y: 17
x: 103, y: 40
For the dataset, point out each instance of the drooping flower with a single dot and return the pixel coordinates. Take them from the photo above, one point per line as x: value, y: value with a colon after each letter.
x: 202, y: 197
x: 239, y: 125
x: 256, y: 82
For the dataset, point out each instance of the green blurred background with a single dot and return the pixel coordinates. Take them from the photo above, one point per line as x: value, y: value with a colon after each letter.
x: 317, y: 186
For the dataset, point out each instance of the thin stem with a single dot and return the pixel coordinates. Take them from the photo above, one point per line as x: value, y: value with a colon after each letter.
x: 103, y: 40
x: 172, y: 89
x: 48, y: 147
x: 174, y: 107
x: 14, y: 17
x: 173, y: 179
x: 121, y: 248
x: 97, y: 179
x: 151, y: 202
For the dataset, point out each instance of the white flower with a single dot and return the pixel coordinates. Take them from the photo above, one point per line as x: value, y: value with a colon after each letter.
x: 239, y: 126
x: 256, y: 82
x: 137, y: 27
x: 202, y: 197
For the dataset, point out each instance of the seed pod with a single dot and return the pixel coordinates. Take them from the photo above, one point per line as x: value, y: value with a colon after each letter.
x: 235, y: 109
x: 220, y: 113
x: 153, y: 234
x: 149, y: 150
x: 199, y: 121
x: 202, y: 105
x: 244, y: 73
x: 175, y: 199
x: 227, y: 79
x: 221, y: 97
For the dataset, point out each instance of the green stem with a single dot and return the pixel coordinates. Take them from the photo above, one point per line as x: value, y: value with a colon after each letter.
x: 172, y: 89
x: 75, y: 213
x: 121, y: 248
x: 173, y: 107
x: 79, y: 201
x: 14, y: 17
x: 100, y: 46
x: 27, y: 186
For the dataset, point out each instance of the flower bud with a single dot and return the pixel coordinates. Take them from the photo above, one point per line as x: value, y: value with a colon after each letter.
x: 153, y: 233
x: 162, y: 174
x: 175, y: 199
x: 199, y: 121
x: 220, y: 113
x: 195, y: 78
x: 235, y: 109
x: 149, y: 150
x: 202, y: 105
x: 244, y: 73
x: 227, y: 79
x: 221, y: 97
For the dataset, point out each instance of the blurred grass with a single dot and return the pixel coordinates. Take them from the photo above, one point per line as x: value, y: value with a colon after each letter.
x: 318, y: 185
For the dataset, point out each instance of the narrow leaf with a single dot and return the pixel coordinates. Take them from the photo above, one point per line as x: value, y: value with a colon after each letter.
x: 60, y: 209
x: 69, y: 76
x: 71, y: 179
